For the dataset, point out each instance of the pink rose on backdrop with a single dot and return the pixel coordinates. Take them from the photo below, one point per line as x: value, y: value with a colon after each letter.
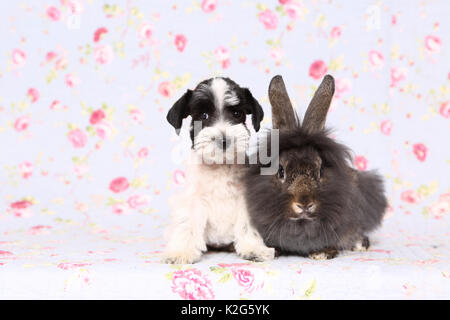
x: 103, y: 54
x: 39, y: 230
x: 209, y: 5
x: 444, y: 110
x: 433, y: 44
x: 80, y: 169
x: 22, y: 123
x: 143, y: 153
x: 104, y: 129
x: 376, y: 59
x: 20, y: 209
x: 145, y: 31
x: 121, y: 209
x: 137, y: 201
x: 22, y: 204
x: 180, y: 42
x: 420, y: 151
x: 61, y: 64
x: 55, y: 105
x: 397, y: 75
x: 243, y: 277
x: 179, y: 177
x: 33, y: 94
x: 293, y: 9
x: 119, y: 184
x: 317, y: 69
x: 223, y: 56
x: 137, y: 115
x: 342, y: 86
x: 441, y: 207
x: 276, y: 53
x: 438, y: 209
x: 50, y: 56
x: 19, y: 58
x: 78, y: 138
x: 283, y: 2
x: 53, y: 13
x: 411, y: 196
x: 75, y: 6
x: 251, y: 280
x: 361, y: 163
x: 386, y: 127
x: 190, y: 284
x: 335, y: 32
x: 26, y: 169
x: 72, y: 80
x: 98, y: 34
x: 72, y: 265
x: 269, y: 19
x: 97, y: 116
x: 166, y: 89
x: 222, y: 53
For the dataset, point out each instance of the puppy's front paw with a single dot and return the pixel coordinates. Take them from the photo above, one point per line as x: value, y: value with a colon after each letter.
x: 258, y: 254
x: 324, y: 254
x: 181, y: 257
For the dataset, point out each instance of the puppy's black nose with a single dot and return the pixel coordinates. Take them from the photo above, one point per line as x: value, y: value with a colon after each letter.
x: 223, y: 142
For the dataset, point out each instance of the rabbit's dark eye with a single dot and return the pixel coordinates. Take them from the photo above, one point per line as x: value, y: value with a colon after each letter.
x: 281, y: 172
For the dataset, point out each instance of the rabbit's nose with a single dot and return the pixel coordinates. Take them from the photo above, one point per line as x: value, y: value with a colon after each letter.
x: 310, y: 207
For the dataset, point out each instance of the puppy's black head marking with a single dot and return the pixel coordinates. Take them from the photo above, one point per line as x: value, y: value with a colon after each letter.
x: 213, y: 100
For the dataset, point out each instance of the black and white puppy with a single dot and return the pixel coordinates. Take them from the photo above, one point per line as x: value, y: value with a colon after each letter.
x: 211, y: 210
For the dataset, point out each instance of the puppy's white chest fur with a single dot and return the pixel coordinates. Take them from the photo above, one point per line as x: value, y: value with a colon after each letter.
x: 212, y: 210
x: 217, y: 190
x: 222, y: 197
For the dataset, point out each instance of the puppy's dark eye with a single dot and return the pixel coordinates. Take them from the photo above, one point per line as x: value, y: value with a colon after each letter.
x: 237, y: 114
x: 281, y: 172
x: 204, y: 116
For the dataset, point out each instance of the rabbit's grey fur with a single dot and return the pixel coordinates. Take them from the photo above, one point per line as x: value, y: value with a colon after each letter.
x: 346, y: 204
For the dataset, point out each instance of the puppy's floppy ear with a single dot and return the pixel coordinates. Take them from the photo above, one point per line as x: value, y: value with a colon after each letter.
x: 179, y: 111
x: 283, y: 114
x: 254, y: 108
x: 316, y: 114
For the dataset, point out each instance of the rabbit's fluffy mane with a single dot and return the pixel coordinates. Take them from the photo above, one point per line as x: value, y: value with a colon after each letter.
x: 335, y: 197
x: 332, y: 153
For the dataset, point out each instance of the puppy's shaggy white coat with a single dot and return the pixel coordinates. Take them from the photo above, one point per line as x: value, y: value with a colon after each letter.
x: 212, y: 211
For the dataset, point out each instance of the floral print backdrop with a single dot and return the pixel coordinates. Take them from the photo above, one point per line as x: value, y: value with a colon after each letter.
x: 86, y: 85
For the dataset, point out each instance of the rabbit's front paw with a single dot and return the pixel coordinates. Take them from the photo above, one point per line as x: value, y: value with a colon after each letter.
x: 257, y: 254
x: 362, y: 245
x: 182, y: 256
x: 325, y: 254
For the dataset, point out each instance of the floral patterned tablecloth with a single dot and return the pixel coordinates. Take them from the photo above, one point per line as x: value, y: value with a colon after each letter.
x: 83, y: 261
x: 88, y: 159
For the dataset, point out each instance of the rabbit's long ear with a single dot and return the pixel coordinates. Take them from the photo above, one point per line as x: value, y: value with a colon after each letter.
x: 316, y: 114
x: 283, y: 114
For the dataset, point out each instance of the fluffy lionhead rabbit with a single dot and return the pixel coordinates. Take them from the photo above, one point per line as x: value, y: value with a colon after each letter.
x: 316, y: 204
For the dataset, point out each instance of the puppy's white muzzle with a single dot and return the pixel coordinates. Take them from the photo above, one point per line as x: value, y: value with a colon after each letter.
x: 222, y: 144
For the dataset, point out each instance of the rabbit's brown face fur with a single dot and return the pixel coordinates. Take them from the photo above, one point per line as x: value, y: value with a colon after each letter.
x: 300, y: 176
